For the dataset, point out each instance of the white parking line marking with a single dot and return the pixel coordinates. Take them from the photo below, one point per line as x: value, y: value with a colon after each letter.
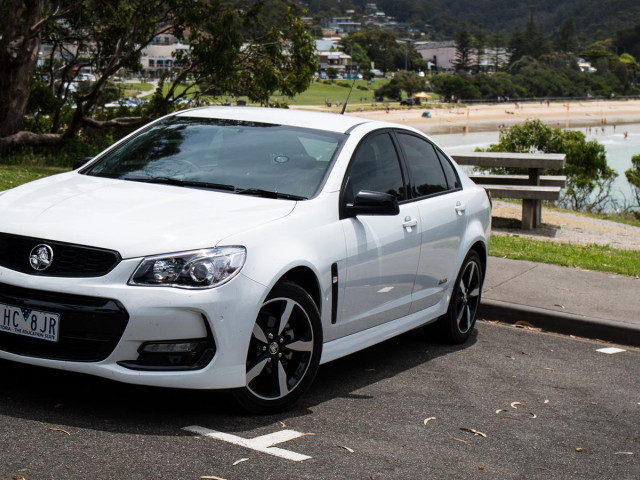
x: 262, y: 444
x: 610, y: 350
x: 385, y: 289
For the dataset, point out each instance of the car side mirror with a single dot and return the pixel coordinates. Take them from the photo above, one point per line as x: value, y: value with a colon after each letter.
x: 81, y: 162
x: 367, y: 202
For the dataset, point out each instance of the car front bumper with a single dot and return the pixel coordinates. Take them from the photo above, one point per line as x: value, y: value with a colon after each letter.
x: 225, y: 315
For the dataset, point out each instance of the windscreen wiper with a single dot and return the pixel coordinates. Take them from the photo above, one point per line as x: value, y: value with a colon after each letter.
x: 183, y: 183
x: 269, y: 194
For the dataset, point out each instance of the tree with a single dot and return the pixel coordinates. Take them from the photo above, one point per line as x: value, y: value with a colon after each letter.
x: 531, y: 42
x: 589, y: 178
x: 464, y: 48
x: 566, y: 40
x: 410, y: 82
x: 383, y: 49
x: 633, y: 177
x: 391, y: 90
x: 251, y: 51
x: 479, y: 43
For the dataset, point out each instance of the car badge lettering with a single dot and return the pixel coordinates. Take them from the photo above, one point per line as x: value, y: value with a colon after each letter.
x: 41, y: 257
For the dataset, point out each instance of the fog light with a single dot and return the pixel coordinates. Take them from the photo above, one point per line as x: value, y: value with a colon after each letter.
x: 185, y: 347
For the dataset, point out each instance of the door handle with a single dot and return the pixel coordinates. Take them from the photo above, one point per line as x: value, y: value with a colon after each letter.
x: 409, y: 223
x: 460, y: 208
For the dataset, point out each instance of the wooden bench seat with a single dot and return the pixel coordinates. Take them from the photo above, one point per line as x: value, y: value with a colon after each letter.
x: 525, y: 192
x: 545, y: 180
x: 531, y: 195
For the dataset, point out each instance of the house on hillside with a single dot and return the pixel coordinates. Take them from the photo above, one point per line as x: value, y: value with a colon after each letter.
x: 160, y: 55
x: 441, y: 55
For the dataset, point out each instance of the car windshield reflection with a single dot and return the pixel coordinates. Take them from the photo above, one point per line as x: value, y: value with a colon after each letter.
x: 273, y: 161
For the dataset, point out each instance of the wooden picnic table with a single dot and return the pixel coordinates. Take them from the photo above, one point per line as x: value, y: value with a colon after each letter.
x: 532, y: 189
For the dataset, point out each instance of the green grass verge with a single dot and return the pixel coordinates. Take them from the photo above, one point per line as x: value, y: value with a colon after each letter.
x: 14, y: 175
x: 589, y: 257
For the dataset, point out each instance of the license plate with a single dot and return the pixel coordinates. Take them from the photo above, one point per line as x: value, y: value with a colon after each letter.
x: 30, y: 323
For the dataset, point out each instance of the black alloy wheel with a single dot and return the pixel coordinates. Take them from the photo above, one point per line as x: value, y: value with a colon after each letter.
x: 457, y: 324
x: 284, y: 351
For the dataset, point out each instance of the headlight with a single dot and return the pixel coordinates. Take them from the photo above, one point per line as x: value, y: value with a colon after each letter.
x: 206, y: 268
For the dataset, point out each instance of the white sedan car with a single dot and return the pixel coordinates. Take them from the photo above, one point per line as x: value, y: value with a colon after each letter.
x: 240, y: 248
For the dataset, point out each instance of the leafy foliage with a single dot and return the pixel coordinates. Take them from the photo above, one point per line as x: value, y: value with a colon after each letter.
x: 589, y: 177
x: 235, y: 48
x: 633, y: 177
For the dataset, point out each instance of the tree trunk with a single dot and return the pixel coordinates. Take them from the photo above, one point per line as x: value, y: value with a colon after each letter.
x: 19, y: 45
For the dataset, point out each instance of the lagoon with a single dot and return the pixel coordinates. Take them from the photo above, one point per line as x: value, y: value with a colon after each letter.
x: 619, y: 149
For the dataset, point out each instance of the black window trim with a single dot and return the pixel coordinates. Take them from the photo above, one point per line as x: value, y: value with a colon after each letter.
x: 405, y: 168
x: 399, y: 156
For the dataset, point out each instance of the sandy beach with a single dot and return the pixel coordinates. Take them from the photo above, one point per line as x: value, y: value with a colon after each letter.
x: 447, y: 118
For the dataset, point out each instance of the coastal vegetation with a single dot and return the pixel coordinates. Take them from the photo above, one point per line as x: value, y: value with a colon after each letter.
x: 589, y: 177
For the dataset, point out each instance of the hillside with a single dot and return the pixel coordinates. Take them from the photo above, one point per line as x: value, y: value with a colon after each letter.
x: 594, y: 19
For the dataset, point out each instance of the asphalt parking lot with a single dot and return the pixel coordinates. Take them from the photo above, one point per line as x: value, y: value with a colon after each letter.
x: 513, y: 403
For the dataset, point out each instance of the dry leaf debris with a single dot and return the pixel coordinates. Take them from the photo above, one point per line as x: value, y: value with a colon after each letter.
x: 240, y: 461
x: 55, y: 429
x: 475, y: 432
x: 350, y: 450
x: 427, y: 420
x: 211, y: 477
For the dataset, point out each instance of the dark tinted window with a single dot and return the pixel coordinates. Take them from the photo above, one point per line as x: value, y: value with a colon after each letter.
x: 452, y: 177
x: 241, y: 155
x: 425, y: 171
x: 375, y: 167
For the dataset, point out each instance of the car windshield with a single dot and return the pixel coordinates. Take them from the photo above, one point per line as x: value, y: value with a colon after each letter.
x: 242, y: 157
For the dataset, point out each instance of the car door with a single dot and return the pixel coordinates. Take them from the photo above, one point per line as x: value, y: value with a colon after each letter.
x: 382, y: 250
x: 435, y: 189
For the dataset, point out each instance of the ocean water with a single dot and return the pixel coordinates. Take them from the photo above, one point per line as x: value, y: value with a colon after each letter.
x: 619, y: 149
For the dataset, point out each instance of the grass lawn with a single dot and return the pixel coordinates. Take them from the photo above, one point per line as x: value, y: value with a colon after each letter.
x: 589, y: 257
x: 14, y: 175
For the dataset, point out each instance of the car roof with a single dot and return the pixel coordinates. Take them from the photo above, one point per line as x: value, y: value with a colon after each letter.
x: 332, y: 122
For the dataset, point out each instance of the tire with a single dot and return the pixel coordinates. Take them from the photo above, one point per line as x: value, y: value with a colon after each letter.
x: 456, y: 325
x: 284, y: 351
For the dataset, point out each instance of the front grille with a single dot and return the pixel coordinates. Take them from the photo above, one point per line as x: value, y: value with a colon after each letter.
x: 90, y: 327
x: 68, y: 260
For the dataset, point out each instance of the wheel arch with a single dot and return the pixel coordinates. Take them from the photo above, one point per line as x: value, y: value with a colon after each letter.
x: 308, y: 281
x: 481, y: 249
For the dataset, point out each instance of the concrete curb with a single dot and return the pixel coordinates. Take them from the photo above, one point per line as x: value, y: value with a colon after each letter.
x: 567, y: 323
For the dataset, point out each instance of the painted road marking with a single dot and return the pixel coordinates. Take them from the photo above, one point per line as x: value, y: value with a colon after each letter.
x: 610, y: 350
x: 263, y: 444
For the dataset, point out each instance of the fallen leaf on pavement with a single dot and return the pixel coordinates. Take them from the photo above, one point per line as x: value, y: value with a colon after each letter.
x: 427, y: 420
x: 480, y: 467
x: 579, y: 449
x: 515, y: 404
x: 240, y: 461
x: 211, y: 477
x: 523, y: 324
x: 546, y: 402
x: 624, y: 453
x: 54, y: 429
x: 460, y: 440
x: 17, y: 477
x: 501, y: 410
x: 475, y: 432
x: 533, y: 415
x: 350, y: 450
